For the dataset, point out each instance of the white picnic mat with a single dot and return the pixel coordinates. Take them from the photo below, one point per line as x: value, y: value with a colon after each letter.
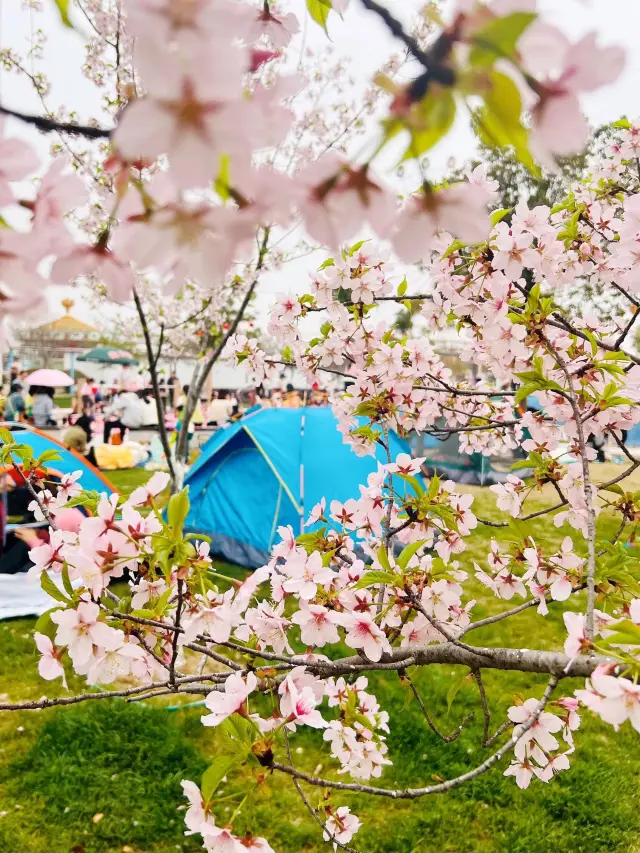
x: 21, y: 597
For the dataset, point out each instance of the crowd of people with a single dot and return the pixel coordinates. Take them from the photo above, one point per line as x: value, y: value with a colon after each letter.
x: 103, y: 413
x: 31, y: 404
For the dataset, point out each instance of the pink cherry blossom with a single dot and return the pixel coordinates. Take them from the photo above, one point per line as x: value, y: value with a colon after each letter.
x: 218, y: 840
x: 405, y: 465
x: 269, y: 625
x: 237, y: 689
x: 278, y: 29
x: 363, y: 633
x: 144, y: 495
x: 50, y: 554
x: 577, y: 640
x: 317, y: 625
x: 192, y: 111
x: 522, y: 770
x: 49, y: 665
x: 104, y: 521
x: 58, y: 193
x: 80, y: 630
x: 559, y: 128
x: 508, y: 495
x: 100, y: 263
x: 341, y: 826
x: 17, y: 160
x: 195, y: 817
x: 305, y: 574
x: 216, y: 621
x: 68, y: 487
x: 340, y: 199
x: 541, y: 731
x: 303, y: 709
x: 317, y: 512
x: 620, y: 700
x: 458, y: 210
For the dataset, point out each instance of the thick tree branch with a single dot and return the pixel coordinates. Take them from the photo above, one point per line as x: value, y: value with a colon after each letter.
x: 153, y: 364
x: 197, y: 384
x: 49, y: 125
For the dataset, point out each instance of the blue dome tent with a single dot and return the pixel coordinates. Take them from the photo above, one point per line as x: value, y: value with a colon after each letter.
x: 269, y: 469
x: 70, y: 460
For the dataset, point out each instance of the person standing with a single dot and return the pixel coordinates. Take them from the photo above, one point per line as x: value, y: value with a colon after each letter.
x: 43, y: 407
x: 15, y: 406
x: 173, y: 385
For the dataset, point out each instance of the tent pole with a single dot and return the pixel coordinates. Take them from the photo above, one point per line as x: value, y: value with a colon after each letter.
x: 302, y: 424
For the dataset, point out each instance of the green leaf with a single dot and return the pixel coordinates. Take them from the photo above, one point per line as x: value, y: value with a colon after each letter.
x: 328, y: 263
x: 452, y: 692
x: 498, y: 38
x: 402, y: 287
x: 48, y: 456
x: 66, y: 582
x: 51, y: 589
x: 523, y: 392
x: 414, y: 482
x: 622, y: 123
x: 6, y: 436
x: 407, y: 553
x: 370, y: 578
x: 45, y: 625
x: 434, y: 487
x: 238, y: 734
x: 435, y: 117
x: 499, y: 120
x: 223, y: 180
x: 357, y: 246
x: 454, y: 247
x: 177, y: 511
x: 319, y: 11
x: 615, y: 488
x: 215, y: 773
x: 499, y: 214
x: 63, y: 9
x: 163, y: 602
x: 383, y: 558
x: 522, y: 463
x: 627, y: 633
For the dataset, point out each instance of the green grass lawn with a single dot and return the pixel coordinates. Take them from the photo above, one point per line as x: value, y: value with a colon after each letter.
x: 126, y: 480
x: 60, y: 768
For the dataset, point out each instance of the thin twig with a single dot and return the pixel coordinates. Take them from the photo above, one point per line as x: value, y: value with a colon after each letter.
x: 308, y: 805
x: 455, y: 734
x: 174, y: 643
x: 442, y: 787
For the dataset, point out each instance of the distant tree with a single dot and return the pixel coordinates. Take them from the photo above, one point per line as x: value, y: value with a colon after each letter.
x: 517, y: 183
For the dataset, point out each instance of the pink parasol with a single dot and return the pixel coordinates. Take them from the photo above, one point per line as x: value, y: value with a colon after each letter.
x: 49, y: 378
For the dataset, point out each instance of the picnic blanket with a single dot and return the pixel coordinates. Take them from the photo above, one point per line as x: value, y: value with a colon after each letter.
x: 22, y: 597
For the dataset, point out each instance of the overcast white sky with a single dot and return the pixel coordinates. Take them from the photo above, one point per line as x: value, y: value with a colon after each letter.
x: 360, y: 36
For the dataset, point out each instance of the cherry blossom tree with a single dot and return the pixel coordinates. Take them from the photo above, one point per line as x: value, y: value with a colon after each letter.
x: 380, y: 582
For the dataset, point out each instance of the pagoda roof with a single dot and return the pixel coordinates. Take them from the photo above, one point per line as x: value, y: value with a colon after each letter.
x: 67, y: 324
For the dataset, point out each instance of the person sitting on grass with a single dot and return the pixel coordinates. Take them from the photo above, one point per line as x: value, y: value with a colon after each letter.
x: 126, y: 413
